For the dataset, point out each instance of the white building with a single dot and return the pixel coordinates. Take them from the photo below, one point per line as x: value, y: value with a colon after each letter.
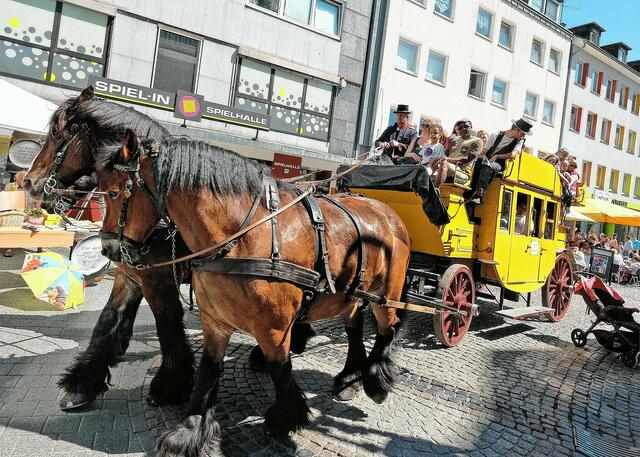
x: 602, y: 119
x: 301, y: 62
x: 488, y: 60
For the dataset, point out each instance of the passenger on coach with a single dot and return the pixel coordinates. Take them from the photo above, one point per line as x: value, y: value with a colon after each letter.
x: 396, y: 138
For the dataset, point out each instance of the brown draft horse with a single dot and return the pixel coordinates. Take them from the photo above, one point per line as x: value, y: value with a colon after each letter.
x: 208, y: 192
x: 78, y: 126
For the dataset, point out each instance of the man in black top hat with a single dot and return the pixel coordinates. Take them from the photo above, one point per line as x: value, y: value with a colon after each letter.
x: 396, y: 138
x: 500, y: 147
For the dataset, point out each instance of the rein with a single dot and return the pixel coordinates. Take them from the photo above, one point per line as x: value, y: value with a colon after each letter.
x: 52, y: 183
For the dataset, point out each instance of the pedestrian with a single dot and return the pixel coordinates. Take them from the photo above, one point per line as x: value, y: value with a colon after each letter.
x: 396, y: 138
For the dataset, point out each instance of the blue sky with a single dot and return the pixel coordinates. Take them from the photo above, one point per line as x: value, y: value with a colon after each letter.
x: 618, y: 17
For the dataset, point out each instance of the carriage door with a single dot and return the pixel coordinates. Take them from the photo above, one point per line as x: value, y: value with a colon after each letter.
x: 536, y: 247
x: 523, y: 259
x: 547, y: 253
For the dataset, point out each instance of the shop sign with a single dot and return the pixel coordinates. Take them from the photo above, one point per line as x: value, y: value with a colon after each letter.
x: 286, y: 166
x: 605, y: 196
x: 185, y: 105
x: 22, y: 153
x: 620, y: 203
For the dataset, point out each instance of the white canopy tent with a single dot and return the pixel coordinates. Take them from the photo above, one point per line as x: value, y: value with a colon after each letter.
x: 23, y: 111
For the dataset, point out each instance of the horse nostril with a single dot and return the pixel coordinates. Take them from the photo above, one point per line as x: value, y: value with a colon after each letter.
x: 104, y: 252
x: 26, y: 184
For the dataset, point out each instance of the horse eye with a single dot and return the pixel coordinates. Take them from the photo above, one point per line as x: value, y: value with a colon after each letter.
x: 113, y: 194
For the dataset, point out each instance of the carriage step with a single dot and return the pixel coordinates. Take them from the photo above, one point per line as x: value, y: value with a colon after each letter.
x: 524, y: 312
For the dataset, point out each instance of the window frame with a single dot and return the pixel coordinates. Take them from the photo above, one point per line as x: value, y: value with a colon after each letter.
x: 626, y: 189
x: 620, y: 131
x: 586, y: 171
x: 575, y: 128
x: 592, y: 126
x: 509, y: 210
x: 601, y: 175
x: 53, y: 49
x: 632, y: 141
x: 608, y: 130
x: 535, y: 113
x: 636, y: 188
x: 442, y: 83
x: 553, y: 114
x: 484, y: 84
x: 513, y: 35
x: 196, y: 77
x: 418, y: 51
x: 312, y: 16
x: 491, y: 24
x: 453, y: 11
x: 506, y: 92
x: 542, y: 49
x: 614, y: 174
x: 236, y: 94
x: 611, y: 88
x: 558, y: 53
x: 558, y: 11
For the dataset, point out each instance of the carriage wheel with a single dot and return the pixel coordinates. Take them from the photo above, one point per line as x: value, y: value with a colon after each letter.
x: 558, y: 290
x: 456, y: 290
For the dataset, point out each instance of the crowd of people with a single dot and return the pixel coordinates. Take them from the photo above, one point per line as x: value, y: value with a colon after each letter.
x: 466, y: 154
x: 626, y: 254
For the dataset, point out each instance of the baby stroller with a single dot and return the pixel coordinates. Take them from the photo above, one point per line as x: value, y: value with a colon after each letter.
x: 606, y: 304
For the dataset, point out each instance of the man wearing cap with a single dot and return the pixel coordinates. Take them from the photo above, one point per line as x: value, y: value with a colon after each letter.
x: 500, y: 147
x: 396, y: 138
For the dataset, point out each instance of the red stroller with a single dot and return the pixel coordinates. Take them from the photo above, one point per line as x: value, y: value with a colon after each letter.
x: 606, y: 304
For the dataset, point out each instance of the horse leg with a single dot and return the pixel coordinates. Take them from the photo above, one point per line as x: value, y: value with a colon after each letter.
x: 290, y: 412
x: 174, y: 380
x: 301, y: 333
x: 346, y: 384
x: 191, y: 437
x: 89, y: 374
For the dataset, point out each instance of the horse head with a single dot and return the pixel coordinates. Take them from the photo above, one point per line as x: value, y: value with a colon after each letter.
x: 125, y: 172
x: 67, y: 152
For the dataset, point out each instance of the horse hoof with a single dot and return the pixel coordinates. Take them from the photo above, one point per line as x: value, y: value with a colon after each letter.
x: 346, y: 394
x: 76, y: 400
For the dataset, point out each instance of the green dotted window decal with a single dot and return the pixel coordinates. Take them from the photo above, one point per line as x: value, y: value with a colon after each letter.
x: 298, y: 104
x: 52, y: 41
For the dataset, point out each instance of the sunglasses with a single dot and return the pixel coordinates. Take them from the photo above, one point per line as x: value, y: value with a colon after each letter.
x: 464, y: 126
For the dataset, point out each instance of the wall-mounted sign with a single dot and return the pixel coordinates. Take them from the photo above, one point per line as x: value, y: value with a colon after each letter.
x: 185, y: 105
x: 286, y: 166
x: 22, y: 153
x: 188, y: 106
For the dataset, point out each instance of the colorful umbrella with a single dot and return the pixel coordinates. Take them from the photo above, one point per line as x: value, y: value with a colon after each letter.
x: 54, y: 279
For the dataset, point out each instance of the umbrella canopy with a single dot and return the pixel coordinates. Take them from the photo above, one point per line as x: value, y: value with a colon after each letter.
x: 22, y: 110
x: 573, y: 215
x: 54, y: 279
x: 603, y: 211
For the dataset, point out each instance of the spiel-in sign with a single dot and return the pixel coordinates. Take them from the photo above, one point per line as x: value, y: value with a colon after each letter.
x: 184, y: 105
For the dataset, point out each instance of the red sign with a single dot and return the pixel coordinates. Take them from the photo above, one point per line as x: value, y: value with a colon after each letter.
x: 286, y: 166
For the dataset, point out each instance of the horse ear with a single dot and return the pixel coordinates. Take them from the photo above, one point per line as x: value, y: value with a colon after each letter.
x: 86, y: 94
x: 129, y: 146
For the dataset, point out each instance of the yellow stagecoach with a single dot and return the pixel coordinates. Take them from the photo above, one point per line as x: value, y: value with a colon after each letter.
x: 511, y: 240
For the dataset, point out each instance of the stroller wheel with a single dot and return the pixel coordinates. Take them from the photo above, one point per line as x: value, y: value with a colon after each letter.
x: 630, y: 359
x: 579, y: 337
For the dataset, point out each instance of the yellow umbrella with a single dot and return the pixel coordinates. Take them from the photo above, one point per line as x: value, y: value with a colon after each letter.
x: 603, y: 211
x: 54, y: 279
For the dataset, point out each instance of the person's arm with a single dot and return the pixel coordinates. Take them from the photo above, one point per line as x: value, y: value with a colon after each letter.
x: 385, y: 136
x: 403, y: 145
x: 411, y: 146
x: 509, y: 155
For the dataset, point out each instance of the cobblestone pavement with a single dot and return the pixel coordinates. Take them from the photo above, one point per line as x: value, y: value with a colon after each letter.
x: 508, y: 389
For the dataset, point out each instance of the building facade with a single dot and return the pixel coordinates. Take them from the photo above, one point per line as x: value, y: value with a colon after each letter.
x: 298, y: 62
x: 487, y: 60
x: 602, y: 118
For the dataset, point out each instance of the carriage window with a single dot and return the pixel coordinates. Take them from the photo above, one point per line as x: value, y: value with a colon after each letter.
x: 536, y: 217
x: 522, y: 215
x: 550, y: 224
x: 505, y: 214
x: 53, y: 42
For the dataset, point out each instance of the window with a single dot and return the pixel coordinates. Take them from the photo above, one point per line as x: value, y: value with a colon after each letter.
x: 605, y: 132
x: 626, y: 184
x: 619, y: 140
x: 550, y: 223
x: 596, y: 82
x: 298, y: 105
x: 594, y: 37
x: 548, y: 112
x: 176, y: 62
x: 531, y: 105
x: 322, y: 15
x: 552, y: 10
x: 554, y: 61
x: 505, y: 213
x: 636, y: 188
x: 407, y: 56
x: 578, y: 73
x: 444, y: 8
x: 582, y: 71
x: 613, y: 181
x: 575, y: 119
x: 592, y: 123
x: 635, y: 104
x: 622, y: 55
x: 499, y: 94
x: 477, y: 83
x: 53, y: 42
x: 624, y: 97
x: 631, y: 142
x: 600, y: 176
x: 484, y: 26
x: 536, y: 52
x: 538, y: 5
x: 611, y: 89
x: 586, y: 172
x: 505, y: 38
x: 436, y: 67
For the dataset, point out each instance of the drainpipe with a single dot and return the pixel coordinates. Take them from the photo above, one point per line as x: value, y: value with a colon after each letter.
x: 372, y: 71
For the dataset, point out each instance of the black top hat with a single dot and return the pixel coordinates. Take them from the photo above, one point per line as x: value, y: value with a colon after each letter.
x: 523, y: 125
x: 402, y: 109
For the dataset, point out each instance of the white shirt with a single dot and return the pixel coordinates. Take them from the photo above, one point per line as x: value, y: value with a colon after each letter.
x: 491, y: 138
